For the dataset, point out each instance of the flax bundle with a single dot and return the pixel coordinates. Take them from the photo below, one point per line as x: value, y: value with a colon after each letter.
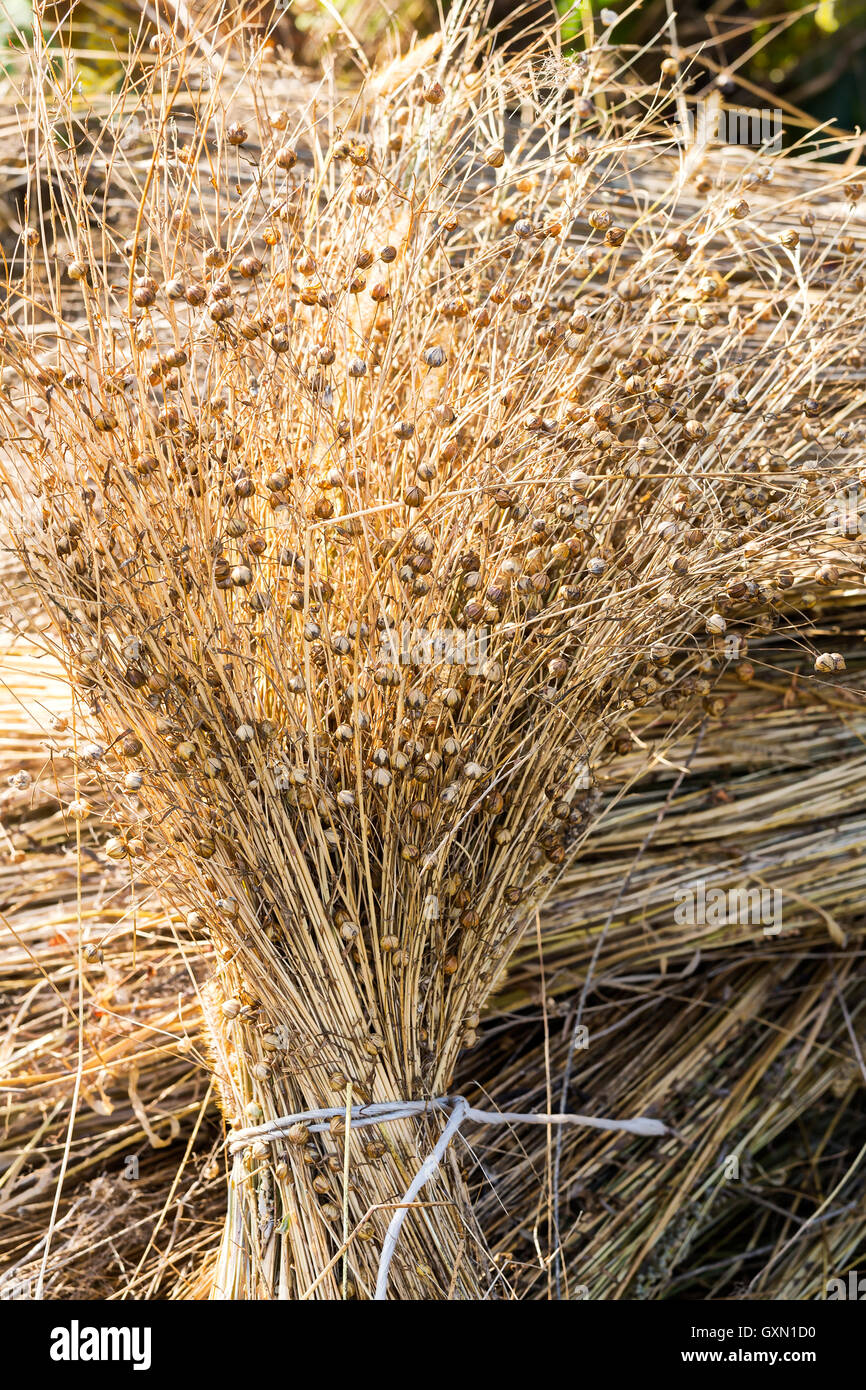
x: 774, y: 799
x: 752, y: 1060
x: 757, y: 772
x: 343, y: 388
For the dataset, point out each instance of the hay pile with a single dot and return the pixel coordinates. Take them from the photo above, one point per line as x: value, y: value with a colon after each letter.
x: 572, y: 407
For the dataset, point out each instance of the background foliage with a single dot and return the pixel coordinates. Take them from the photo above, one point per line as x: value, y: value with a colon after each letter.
x: 811, y: 56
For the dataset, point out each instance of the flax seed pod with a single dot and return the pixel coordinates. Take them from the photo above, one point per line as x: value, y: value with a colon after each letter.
x: 828, y: 663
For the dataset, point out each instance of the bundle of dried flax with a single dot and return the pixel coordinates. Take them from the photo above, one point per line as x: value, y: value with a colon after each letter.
x: 387, y: 482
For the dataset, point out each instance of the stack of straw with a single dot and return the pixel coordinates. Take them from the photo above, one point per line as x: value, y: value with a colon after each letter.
x: 372, y: 582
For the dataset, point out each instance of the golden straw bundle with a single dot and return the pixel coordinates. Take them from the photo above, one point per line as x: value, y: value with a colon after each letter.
x: 388, y: 484
x: 161, y: 1225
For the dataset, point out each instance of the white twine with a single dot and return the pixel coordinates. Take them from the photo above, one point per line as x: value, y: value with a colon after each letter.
x: 383, y: 1112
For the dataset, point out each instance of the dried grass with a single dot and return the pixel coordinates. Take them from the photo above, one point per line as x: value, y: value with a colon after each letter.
x: 600, y: 409
x: 165, y: 1226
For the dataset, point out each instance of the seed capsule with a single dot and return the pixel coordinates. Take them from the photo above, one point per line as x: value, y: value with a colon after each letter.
x: 144, y: 292
x: 829, y: 662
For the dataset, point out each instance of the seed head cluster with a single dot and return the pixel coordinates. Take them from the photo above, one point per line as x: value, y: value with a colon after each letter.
x: 388, y: 479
